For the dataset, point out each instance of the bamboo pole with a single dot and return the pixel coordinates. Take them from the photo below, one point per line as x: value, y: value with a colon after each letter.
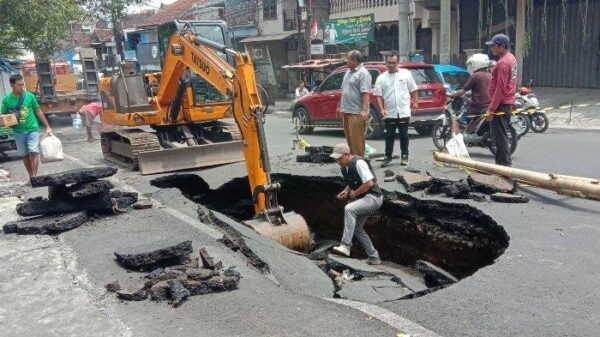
x: 539, y: 179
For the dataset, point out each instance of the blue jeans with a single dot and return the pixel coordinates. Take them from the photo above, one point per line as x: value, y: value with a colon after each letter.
x: 27, y: 142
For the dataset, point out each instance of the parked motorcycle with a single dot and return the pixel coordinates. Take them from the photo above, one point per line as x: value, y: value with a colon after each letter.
x: 475, y: 134
x: 530, y: 107
x: 519, y: 120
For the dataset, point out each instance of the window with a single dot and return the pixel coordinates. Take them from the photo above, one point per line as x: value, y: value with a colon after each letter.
x: 456, y: 80
x: 424, y: 76
x: 269, y: 9
x: 333, y: 82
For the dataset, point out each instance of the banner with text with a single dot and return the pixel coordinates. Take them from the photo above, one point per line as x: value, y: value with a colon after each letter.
x: 349, y: 30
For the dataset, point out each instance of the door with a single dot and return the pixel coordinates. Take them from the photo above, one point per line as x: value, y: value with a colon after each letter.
x: 328, y: 99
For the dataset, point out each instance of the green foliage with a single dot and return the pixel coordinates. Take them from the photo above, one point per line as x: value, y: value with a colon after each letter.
x: 38, y: 25
x: 116, y: 9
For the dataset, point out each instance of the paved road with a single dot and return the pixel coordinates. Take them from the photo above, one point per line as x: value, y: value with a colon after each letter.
x: 543, y: 285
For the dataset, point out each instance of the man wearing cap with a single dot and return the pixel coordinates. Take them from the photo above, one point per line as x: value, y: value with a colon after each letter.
x: 502, y: 89
x: 364, y: 197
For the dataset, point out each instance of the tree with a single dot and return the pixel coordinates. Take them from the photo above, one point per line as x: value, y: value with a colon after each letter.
x: 116, y: 10
x: 38, y: 25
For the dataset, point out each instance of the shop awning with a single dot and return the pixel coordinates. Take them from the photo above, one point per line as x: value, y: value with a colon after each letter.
x: 267, y: 38
x: 315, y: 64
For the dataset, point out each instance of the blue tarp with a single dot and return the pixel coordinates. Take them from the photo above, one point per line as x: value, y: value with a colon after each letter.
x: 7, y: 66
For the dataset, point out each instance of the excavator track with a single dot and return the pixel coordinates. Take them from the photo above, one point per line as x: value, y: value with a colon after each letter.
x: 123, y: 147
x: 230, y: 126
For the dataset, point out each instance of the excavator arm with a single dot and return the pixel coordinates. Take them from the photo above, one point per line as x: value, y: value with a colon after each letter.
x: 190, y: 52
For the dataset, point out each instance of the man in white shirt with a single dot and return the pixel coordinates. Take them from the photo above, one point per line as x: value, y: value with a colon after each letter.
x: 301, y: 90
x: 396, y: 93
x: 364, y: 196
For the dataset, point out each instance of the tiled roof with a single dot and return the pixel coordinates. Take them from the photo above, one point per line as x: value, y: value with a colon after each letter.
x: 181, y: 10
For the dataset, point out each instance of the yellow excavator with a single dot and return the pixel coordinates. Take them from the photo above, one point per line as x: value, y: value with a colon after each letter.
x: 190, y: 117
x: 189, y: 52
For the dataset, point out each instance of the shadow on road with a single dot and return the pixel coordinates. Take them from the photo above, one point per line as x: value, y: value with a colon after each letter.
x: 533, y: 194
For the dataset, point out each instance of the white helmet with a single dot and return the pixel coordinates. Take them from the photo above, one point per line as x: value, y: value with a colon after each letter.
x: 477, y: 62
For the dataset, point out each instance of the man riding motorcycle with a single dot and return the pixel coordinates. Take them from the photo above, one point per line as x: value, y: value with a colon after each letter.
x: 478, y: 66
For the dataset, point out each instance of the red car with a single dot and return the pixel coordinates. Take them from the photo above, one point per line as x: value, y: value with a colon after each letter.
x: 317, y: 109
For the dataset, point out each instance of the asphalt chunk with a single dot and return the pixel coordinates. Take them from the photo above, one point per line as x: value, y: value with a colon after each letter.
x: 433, y: 275
x: 133, y: 295
x: 76, y: 176
x: 150, y: 259
x: 81, y: 190
x: 208, y: 262
x: 97, y: 202
x: 509, y: 198
x: 491, y: 184
x: 47, y: 224
x: 414, y: 181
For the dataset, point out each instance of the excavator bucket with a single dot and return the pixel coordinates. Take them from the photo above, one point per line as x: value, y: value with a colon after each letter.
x: 190, y: 157
x: 293, y: 234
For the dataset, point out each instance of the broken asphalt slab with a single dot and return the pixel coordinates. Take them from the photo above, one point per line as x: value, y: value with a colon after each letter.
x: 151, y: 255
x: 46, y: 224
x: 79, y: 190
x: 414, y: 181
x: 490, y: 184
x: 316, y: 154
x: 75, y: 176
x: 42, y: 206
x: 509, y: 198
x: 434, y: 276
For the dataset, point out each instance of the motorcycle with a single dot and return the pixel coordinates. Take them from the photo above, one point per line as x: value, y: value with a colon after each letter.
x: 529, y: 105
x: 475, y: 134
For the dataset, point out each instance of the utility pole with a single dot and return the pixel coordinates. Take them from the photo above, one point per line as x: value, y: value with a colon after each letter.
x: 445, y: 15
x: 299, y: 24
x: 404, y: 40
x: 308, y: 28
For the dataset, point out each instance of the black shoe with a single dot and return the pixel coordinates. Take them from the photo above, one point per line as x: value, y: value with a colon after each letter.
x: 386, y: 162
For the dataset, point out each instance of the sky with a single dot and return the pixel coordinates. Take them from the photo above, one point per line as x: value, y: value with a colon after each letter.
x: 156, y: 3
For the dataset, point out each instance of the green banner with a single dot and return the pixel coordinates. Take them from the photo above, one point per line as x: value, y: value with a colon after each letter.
x: 349, y: 30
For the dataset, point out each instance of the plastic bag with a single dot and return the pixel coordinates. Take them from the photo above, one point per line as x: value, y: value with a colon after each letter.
x: 51, y: 149
x: 369, y: 150
x: 77, y: 121
x: 456, y: 146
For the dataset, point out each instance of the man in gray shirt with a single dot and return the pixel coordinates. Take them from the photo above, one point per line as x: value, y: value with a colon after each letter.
x: 354, y: 104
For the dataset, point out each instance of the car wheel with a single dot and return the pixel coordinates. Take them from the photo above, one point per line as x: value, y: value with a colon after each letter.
x: 374, y: 127
x: 302, y: 121
x: 424, y: 129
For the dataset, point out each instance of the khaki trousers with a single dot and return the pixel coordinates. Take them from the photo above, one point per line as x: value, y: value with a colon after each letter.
x: 354, y: 129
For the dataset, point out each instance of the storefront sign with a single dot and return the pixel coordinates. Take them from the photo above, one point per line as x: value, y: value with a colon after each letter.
x: 349, y: 30
x: 317, y: 49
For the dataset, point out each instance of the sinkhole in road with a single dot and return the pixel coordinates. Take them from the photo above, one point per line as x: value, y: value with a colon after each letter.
x: 456, y: 237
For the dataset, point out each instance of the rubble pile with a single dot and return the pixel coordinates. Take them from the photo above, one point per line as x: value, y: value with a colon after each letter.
x: 175, y: 275
x: 476, y: 187
x: 316, y: 154
x: 71, y: 195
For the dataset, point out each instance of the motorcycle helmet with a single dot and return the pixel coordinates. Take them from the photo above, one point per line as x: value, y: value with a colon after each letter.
x: 477, y: 62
